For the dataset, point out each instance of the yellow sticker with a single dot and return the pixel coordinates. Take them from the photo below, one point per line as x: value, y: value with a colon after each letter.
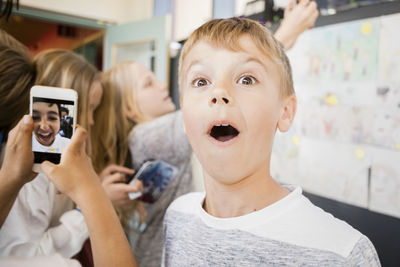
x: 52, y: 149
x: 366, y: 28
x: 360, y: 154
x: 296, y: 140
x: 398, y: 146
x: 331, y: 100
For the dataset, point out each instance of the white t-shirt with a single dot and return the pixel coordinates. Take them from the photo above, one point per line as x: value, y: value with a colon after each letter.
x: 42, y: 223
x: 41, y: 261
x: 58, y: 145
x: 290, y: 232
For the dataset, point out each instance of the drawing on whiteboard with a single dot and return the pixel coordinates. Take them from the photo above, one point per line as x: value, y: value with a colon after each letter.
x: 346, y: 52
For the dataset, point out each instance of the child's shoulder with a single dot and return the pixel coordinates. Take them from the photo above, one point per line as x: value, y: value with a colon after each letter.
x: 164, y: 121
x: 315, y: 228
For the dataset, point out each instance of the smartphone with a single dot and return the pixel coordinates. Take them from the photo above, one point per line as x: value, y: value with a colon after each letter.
x: 54, y: 114
x: 155, y: 176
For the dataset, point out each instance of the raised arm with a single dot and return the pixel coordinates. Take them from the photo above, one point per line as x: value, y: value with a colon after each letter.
x: 297, y: 19
x: 75, y: 177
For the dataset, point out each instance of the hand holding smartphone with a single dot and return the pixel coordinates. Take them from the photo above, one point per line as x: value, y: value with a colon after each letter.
x: 54, y: 114
x: 155, y: 176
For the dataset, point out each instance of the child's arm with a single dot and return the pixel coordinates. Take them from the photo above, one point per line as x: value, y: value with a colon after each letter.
x: 75, y: 177
x: 297, y: 19
x: 17, y: 166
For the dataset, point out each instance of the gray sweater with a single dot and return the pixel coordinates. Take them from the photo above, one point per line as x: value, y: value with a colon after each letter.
x: 160, y: 139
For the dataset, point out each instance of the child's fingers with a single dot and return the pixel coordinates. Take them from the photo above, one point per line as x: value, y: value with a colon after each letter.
x: 312, y: 6
x: 121, y: 169
x: 21, y: 135
x: 13, y: 133
x: 304, y: 2
x: 289, y: 7
x: 137, y: 186
x: 78, y: 140
x: 114, y: 178
x: 47, y: 168
x: 25, y: 131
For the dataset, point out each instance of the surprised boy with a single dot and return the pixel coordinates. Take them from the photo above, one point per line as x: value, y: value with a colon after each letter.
x: 236, y: 91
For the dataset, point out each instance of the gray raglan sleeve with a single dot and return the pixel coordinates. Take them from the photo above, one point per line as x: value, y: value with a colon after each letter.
x: 363, y: 254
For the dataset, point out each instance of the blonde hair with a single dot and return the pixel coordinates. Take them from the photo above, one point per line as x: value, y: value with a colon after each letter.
x: 17, y: 75
x: 64, y: 68
x: 227, y: 32
x: 111, y: 147
x: 120, y: 85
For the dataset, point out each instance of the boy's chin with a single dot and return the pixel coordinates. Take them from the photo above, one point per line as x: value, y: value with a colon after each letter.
x: 225, y: 174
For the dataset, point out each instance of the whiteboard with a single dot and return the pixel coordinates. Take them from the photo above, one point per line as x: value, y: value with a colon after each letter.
x: 345, y: 141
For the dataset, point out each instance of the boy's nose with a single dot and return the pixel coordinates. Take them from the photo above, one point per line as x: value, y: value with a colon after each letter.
x: 223, y: 99
x: 220, y: 96
x: 44, y: 125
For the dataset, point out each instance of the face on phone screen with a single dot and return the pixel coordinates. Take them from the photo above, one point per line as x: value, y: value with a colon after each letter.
x: 52, y: 127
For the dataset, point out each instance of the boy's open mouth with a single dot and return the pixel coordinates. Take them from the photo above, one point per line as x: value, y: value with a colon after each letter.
x: 45, y: 138
x: 223, y: 132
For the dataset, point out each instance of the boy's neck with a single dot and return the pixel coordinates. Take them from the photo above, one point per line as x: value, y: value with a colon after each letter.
x: 250, y: 194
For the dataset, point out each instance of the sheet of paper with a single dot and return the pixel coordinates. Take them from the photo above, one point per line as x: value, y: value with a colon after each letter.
x: 385, y: 182
x: 335, y: 170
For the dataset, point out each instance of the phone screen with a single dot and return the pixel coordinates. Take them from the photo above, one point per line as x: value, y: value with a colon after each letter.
x: 155, y: 176
x: 53, y: 121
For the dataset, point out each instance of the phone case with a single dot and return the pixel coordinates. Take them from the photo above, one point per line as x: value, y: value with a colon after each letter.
x: 54, y: 113
x: 155, y: 176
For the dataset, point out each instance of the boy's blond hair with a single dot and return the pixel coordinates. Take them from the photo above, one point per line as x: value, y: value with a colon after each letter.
x: 226, y: 33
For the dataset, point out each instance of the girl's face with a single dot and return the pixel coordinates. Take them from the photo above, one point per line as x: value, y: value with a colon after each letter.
x: 46, y: 122
x: 152, y: 95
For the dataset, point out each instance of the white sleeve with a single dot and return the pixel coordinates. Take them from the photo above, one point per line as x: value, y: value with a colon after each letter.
x: 43, y: 261
x: 26, y: 231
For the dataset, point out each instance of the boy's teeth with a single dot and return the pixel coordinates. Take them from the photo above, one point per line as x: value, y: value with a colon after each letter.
x: 225, y: 124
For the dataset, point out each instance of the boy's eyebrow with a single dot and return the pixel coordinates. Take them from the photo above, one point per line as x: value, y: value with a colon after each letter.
x: 256, y: 60
x: 194, y: 62
x: 247, y: 60
x: 52, y: 113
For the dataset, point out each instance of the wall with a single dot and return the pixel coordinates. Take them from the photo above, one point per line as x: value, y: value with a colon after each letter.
x: 189, y: 15
x: 116, y: 11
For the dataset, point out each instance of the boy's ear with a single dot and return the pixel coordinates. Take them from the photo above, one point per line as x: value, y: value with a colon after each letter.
x: 289, y: 107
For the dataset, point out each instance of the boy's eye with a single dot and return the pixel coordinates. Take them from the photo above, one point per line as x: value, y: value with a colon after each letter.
x: 53, y: 118
x: 247, y: 80
x: 36, y: 118
x: 200, y: 82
